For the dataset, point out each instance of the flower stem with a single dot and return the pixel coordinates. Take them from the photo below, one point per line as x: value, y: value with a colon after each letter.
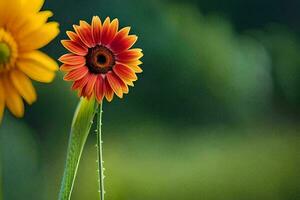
x: 100, y: 154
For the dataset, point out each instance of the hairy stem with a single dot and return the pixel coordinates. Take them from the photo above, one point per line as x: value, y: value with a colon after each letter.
x: 99, y: 153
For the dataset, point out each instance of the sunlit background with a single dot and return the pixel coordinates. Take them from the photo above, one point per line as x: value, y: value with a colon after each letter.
x: 214, y: 116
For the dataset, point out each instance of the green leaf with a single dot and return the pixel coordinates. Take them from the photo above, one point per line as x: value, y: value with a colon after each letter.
x: 81, y: 126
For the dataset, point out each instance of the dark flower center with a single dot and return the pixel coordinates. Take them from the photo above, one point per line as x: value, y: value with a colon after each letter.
x: 100, y: 60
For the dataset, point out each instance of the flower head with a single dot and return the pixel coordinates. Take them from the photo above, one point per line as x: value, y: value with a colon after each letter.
x: 23, y: 30
x: 101, y: 62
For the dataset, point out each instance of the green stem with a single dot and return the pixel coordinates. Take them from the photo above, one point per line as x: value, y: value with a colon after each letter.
x: 82, y: 122
x: 99, y: 153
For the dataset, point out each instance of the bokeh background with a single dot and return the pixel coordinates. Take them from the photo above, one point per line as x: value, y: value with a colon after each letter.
x: 214, y: 116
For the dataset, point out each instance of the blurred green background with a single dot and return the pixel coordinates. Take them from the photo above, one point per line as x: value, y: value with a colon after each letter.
x: 214, y: 116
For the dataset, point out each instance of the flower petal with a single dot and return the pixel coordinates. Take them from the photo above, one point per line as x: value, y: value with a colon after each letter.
x: 33, y: 5
x: 123, y: 33
x: 134, y: 65
x: 105, y: 29
x: 40, y: 58
x: 76, y: 74
x: 115, y: 84
x: 84, y: 32
x: 68, y: 68
x: 136, y: 68
x: 129, y: 55
x: 99, y: 91
x: 30, y: 24
x: 12, y: 99
x: 9, y: 10
x: 109, y: 34
x: 74, y: 37
x: 108, y: 91
x: 96, y: 29
x: 118, y: 46
x: 125, y: 73
x: 79, y: 84
x: 36, y: 71
x: 40, y: 38
x: 74, y: 47
x: 135, y: 62
x: 24, y: 86
x: 89, y: 87
x: 124, y: 86
x: 72, y: 59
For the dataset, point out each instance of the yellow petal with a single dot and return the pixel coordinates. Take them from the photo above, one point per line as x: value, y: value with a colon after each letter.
x: 35, y: 71
x: 9, y: 9
x: 40, y: 37
x: 136, y: 68
x: 23, y: 85
x: 32, y: 5
x: 15, y: 25
x: 17, y: 13
x: 12, y: 99
x: 134, y: 65
x: 39, y: 58
x: 2, y: 100
x: 29, y: 24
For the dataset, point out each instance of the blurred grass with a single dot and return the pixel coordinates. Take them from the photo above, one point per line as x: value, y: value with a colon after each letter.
x: 150, y: 161
x: 239, y: 164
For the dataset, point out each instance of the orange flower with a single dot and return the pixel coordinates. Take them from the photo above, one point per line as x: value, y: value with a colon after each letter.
x: 101, y: 62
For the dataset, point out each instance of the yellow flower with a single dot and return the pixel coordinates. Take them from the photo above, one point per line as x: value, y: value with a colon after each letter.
x: 23, y: 30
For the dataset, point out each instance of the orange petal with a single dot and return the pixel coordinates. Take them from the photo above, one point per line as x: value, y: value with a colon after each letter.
x: 84, y: 31
x: 89, y: 87
x: 68, y: 68
x: 105, y: 29
x: 125, y: 73
x: 134, y: 62
x: 134, y: 65
x: 79, y: 84
x: 130, y: 55
x: 81, y: 92
x: 123, y: 33
x: 96, y: 29
x: 72, y: 59
x: 76, y: 74
x: 109, y: 35
x: 136, y: 68
x: 99, y: 91
x: 115, y: 84
x: 118, y: 46
x: 74, y: 37
x: 124, y: 86
x: 109, y: 93
x: 74, y: 47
